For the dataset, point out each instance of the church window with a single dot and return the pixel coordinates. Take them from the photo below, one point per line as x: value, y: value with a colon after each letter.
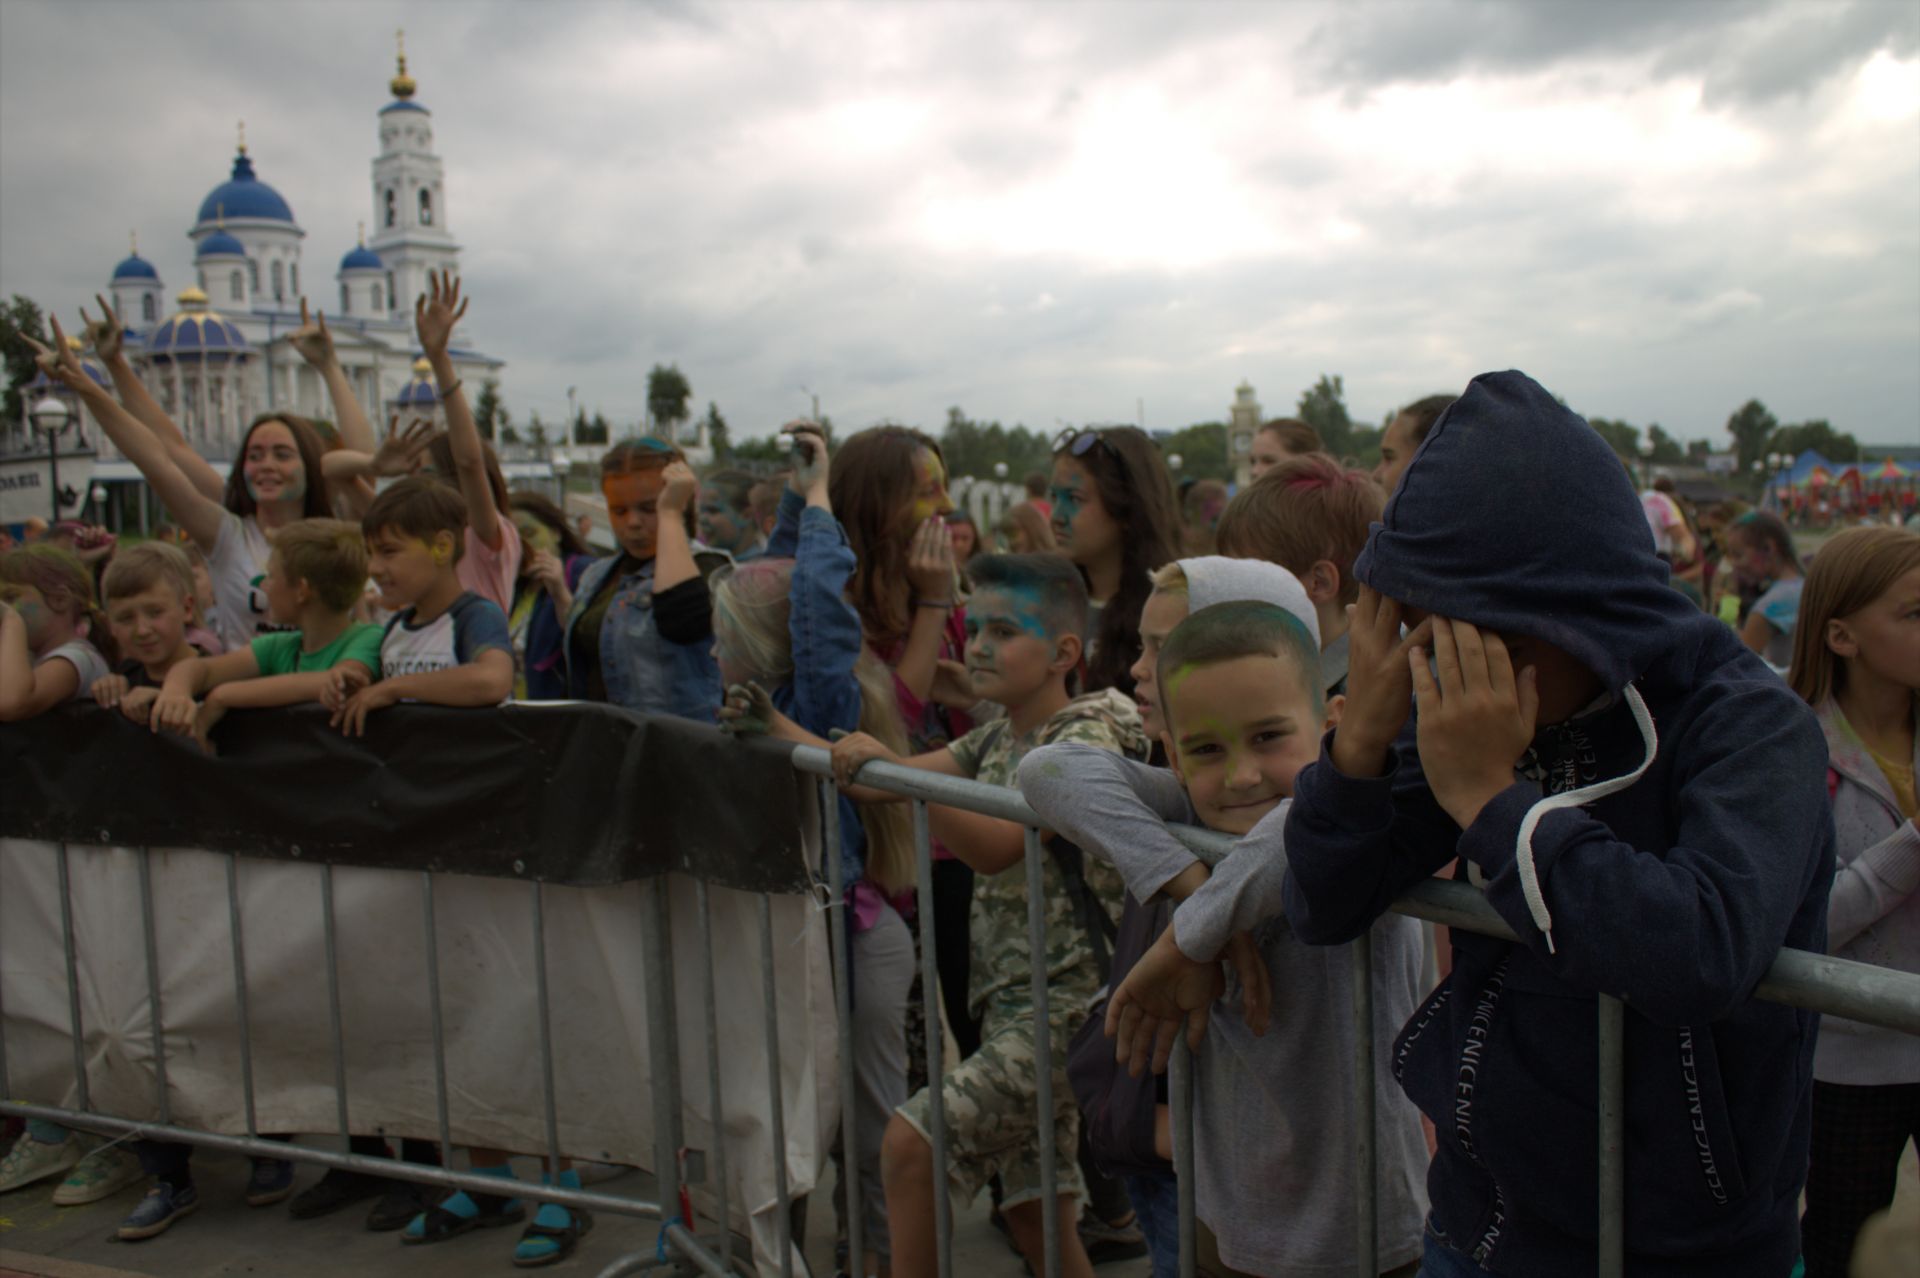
x: 389, y: 206
x: 279, y: 281
x: 377, y: 307
x: 391, y: 291
x: 148, y: 311
x: 345, y: 305
x: 253, y: 274
x: 293, y: 273
x: 426, y: 207
x: 203, y: 280
x: 234, y: 288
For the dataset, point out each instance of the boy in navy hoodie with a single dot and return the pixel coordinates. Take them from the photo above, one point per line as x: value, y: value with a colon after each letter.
x: 1642, y: 801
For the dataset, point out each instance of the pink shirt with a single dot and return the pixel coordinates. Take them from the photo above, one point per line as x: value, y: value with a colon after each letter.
x: 491, y: 573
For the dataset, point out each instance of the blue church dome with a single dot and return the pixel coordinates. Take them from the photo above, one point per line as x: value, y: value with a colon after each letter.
x: 419, y: 393
x: 135, y: 267
x: 244, y: 195
x: 362, y: 258
x: 196, y: 331
x: 220, y: 244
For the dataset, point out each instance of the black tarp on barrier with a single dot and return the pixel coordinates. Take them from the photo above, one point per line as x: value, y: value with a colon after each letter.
x: 565, y: 793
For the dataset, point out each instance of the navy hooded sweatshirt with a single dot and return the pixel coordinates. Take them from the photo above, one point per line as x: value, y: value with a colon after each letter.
x: 1672, y: 893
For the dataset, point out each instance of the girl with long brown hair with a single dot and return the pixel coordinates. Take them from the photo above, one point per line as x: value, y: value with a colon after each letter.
x: 1856, y: 661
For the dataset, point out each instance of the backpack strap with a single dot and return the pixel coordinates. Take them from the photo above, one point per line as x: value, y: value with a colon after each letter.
x: 1094, y: 919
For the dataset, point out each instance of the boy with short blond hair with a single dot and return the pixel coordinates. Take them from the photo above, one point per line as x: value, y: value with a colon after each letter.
x: 1026, y: 624
x: 313, y: 580
x: 149, y: 596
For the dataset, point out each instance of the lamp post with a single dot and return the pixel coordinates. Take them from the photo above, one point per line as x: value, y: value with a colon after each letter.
x: 1646, y: 458
x: 51, y: 417
x: 1174, y: 462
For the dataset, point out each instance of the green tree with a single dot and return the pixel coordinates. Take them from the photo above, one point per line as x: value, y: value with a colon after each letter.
x: 667, y: 396
x: 508, y: 435
x: 1622, y: 438
x: 19, y: 320
x: 1202, y: 448
x: 487, y: 409
x: 1323, y: 407
x: 599, y: 430
x: 761, y: 453
x: 1751, y: 426
x: 1818, y: 435
x: 536, y: 431
x: 974, y: 447
x: 1666, y: 449
x: 717, y: 436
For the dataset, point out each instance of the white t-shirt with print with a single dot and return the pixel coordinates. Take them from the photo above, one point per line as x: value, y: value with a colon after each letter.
x: 454, y: 638
x: 236, y: 565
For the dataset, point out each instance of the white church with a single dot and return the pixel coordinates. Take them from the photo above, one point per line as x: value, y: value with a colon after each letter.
x: 216, y: 355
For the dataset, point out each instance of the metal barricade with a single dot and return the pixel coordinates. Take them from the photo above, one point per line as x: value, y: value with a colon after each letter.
x: 1798, y: 979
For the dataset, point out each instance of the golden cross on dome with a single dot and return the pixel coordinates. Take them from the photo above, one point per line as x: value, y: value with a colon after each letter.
x: 243, y: 137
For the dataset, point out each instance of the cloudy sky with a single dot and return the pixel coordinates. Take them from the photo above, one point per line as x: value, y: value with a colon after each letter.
x: 1052, y: 212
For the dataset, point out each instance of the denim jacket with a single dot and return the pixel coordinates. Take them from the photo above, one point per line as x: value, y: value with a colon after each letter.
x: 822, y: 694
x: 643, y: 671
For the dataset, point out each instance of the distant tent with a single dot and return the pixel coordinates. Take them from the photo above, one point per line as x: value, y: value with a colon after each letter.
x: 1889, y: 469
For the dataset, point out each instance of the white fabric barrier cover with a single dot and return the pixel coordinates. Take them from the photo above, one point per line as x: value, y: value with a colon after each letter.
x: 597, y: 978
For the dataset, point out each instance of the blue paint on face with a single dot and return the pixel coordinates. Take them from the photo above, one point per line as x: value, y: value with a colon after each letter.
x: 1066, y: 503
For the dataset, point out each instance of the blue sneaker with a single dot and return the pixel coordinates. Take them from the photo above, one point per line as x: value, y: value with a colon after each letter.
x: 158, y: 1210
x: 271, y: 1182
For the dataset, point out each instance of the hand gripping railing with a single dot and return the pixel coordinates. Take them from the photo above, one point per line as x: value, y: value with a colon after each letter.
x: 1835, y: 987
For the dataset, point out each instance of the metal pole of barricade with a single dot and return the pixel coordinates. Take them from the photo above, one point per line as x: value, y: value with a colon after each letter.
x: 153, y: 987
x: 1366, y: 1201
x: 1180, y: 1097
x: 240, y: 989
x: 1042, y: 1045
x: 663, y: 1052
x: 723, y: 1208
x: 546, y: 1030
x: 73, y: 983
x: 776, y: 1107
x: 838, y: 928
x: 1612, y: 1169
x: 432, y: 937
x: 333, y: 1001
x: 930, y: 1000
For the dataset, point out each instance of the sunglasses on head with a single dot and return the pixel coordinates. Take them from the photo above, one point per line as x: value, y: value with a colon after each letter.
x: 1078, y: 443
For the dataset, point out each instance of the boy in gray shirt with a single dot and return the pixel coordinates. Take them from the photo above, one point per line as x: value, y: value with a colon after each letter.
x: 1242, y: 713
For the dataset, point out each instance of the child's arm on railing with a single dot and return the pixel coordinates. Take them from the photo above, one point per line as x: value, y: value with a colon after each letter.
x: 487, y: 680
x: 26, y: 689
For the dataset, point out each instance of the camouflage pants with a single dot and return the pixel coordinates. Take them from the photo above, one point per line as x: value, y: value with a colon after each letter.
x: 992, y: 1102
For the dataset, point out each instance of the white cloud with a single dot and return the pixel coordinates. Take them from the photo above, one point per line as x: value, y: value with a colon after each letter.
x: 1042, y: 212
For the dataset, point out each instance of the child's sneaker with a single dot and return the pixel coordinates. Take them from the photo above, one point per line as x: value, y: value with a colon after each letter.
x: 271, y: 1182
x: 30, y: 1160
x: 101, y: 1174
x: 160, y: 1208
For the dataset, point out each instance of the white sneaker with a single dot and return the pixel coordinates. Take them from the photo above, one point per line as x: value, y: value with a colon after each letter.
x: 30, y: 1160
x: 101, y: 1174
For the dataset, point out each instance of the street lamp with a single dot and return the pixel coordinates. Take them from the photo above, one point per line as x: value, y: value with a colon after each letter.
x: 51, y: 417
x: 1174, y: 462
x: 1646, y: 458
x: 1000, y: 470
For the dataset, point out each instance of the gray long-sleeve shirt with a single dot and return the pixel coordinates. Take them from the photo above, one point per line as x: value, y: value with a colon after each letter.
x: 1273, y: 1115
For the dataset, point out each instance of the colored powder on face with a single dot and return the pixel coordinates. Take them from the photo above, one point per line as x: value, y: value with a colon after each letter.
x: 1021, y: 607
x: 927, y: 470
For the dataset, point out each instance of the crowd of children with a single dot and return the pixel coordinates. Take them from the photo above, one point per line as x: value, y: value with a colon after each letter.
x: 1366, y: 679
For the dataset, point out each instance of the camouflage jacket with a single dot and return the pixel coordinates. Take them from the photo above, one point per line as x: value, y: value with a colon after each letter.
x: 992, y: 753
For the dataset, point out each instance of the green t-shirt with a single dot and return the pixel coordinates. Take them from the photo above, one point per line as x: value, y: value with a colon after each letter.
x: 279, y: 653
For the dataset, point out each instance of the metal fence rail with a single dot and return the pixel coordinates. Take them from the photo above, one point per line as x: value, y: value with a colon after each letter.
x: 1814, y: 982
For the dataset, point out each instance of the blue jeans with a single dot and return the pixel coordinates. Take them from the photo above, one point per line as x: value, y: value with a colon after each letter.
x: 1438, y: 1261
x: 1156, y: 1207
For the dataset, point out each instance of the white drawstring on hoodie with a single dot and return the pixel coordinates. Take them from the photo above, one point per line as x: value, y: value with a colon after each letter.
x: 1580, y: 797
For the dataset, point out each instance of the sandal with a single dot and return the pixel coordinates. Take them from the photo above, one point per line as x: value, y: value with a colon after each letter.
x: 437, y: 1224
x: 564, y: 1240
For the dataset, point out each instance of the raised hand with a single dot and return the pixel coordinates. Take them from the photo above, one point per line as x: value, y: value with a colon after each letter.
x: 436, y: 313
x: 953, y: 686
x: 312, y: 339
x: 400, y: 451
x: 60, y: 363
x: 682, y: 487
x: 930, y: 568
x: 546, y: 569
x: 1379, y: 688
x: 747, y: 711
x: 809, y: 456
x: 106, y: 335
